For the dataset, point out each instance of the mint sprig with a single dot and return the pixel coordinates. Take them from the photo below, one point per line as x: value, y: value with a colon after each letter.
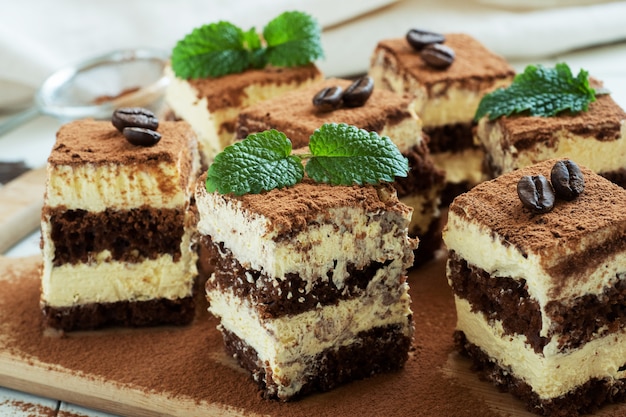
x: 341, y: 154
x: 217, y: 49
x: 539, y: 91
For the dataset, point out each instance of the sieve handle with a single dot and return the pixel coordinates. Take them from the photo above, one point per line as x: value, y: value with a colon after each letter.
x: 18, y: 119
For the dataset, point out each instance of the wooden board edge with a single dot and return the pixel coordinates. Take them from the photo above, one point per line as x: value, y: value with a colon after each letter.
x: 99, y: 394
x: 22, y: 200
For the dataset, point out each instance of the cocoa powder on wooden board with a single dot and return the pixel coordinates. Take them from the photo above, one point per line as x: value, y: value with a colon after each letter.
x: 30, y: 409
x: 189, y: 362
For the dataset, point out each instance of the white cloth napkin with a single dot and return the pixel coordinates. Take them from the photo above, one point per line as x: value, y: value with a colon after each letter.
x: 40, y: 36
x: 511, y: 32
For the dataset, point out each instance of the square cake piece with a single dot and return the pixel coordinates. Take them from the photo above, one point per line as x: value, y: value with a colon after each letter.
x: 117, y: 227
x: 211, y: 105
x: 595, y: 138
x: 446, y: 99
x: 310, y: 283
x: 386, y: 113
x: 539, y: 297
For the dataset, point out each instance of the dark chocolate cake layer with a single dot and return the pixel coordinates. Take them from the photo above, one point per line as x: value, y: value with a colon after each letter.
x: 587, y: 398
x: 272, y: 298
x: 453, y: 137
x: 122, y: 313
x: 507, y: 300
x: 429, y: 243
x: 616, y: 177
x: 381, y: 349
x: 422, y: 175
x: 131, y: 235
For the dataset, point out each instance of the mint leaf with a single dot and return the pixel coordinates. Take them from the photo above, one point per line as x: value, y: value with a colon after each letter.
x: 340, y: 155
x: 346, y: 155
x: 293, y: 39
x: 257, y: 56
x: 540, y: 91
x: 217, y: 49
x: 252, y: 40
x: 211, y: 51
x: 261, y: 162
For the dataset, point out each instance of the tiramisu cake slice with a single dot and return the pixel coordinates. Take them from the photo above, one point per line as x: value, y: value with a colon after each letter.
x: 387, y: 113
x: 310, y: 282
x: 447, y: 95
x: 539, y: 293
x: 211, y: 105
x: 117, y: 226
x: 595, y: 138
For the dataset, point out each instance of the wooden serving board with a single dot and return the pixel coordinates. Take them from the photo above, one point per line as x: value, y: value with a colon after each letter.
x: 20, y: 207
x: 184, y: 371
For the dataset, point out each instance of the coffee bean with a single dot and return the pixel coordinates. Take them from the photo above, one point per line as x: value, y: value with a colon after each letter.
x: 358, y: 92
x: 328, y: 98
x: 418, y: 38
x: 438, y: 56
x: 567, y: 179
x: 536, y: 193
x: 134, y: 117
x: 140, y: 136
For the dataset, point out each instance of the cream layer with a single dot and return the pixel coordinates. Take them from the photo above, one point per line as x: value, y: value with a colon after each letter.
x: 477, y: 245
x: 598, y: 155
x: 550, y: 374
x: 405, y: 134
x: 459, y: 167
x: 333, y: 241
x: 98, y: 187
x: 446, y: 103
x: 104, y: 280
x: 288, y: 345
x: 213, y: 137
x: 425, y: 209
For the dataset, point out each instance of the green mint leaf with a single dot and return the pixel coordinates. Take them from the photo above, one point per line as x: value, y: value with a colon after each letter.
x: 293, y: 39
x: 260, y: 162
x: 211, y: 50
x: 540, y: 91
x: 346, y: 155
x: 252, y: 40
x: 256, y: 56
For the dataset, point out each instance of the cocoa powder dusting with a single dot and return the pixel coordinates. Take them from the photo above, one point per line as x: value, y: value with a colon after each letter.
x: 33, y: 410
x: 474, y: 68
x: 190, y: 362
